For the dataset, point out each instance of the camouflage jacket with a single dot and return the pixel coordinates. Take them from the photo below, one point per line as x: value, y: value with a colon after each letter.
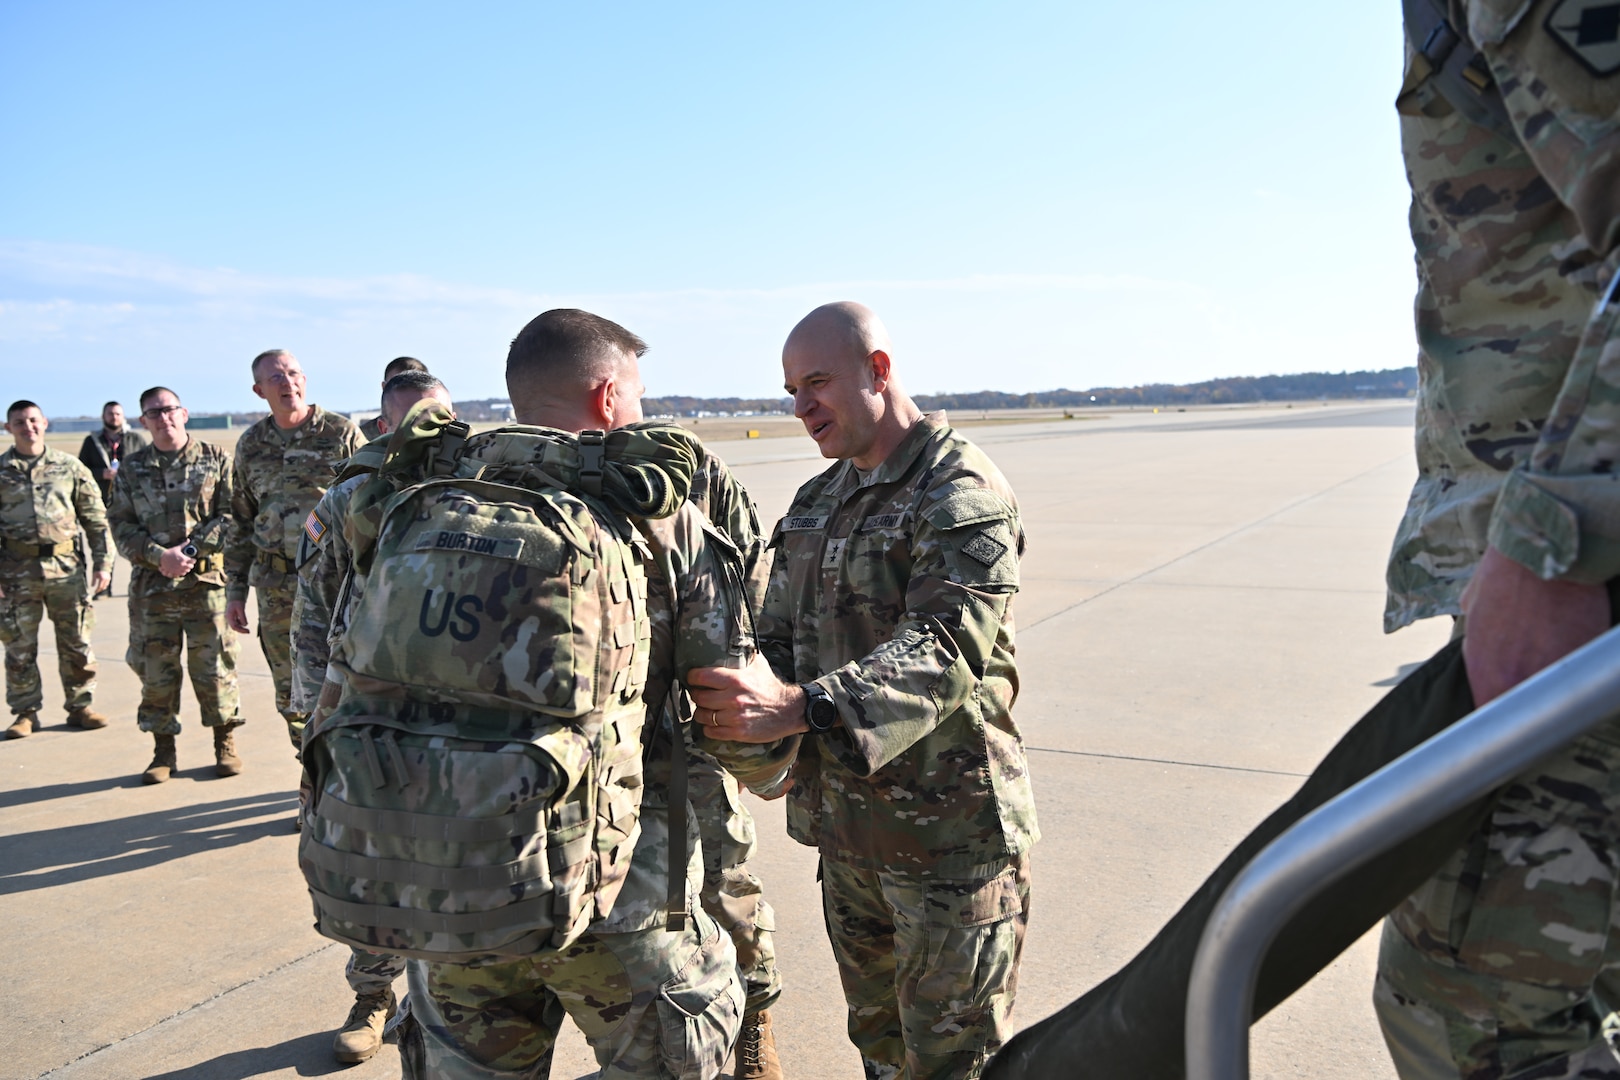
x: 278, y: 477
x: 1518, y: 239
x: 324, y: 559
x: 49, y: 500
x: 371, y: 429
x: 894, y: 591
x: 161, y: 499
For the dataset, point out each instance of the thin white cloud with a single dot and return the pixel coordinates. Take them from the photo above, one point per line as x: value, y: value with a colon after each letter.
x: 84, y: 321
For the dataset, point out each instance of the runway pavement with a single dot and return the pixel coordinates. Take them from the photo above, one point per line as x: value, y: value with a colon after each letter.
x: 1199, y: 621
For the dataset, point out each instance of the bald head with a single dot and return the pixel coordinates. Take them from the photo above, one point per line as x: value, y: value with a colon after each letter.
x: 574, y: 370
x: 844, y: 327
x: 837, y: 365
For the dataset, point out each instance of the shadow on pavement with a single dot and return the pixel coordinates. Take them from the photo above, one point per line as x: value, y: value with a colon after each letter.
x: 306, y: 1055
x: 47, y: 792
x: 51, y: 857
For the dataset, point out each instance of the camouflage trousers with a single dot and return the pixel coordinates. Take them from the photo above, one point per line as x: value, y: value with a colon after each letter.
x: 26, y: 603
x: 653, y: 1004
x: 161, y: 624
x: 372, y: 972
x: 1506, y: 963
x: 929, y: 966
x: 275, y: 639
x: 733, y: 895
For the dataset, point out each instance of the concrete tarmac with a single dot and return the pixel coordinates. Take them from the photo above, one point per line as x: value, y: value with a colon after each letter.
x: 1199, y: 622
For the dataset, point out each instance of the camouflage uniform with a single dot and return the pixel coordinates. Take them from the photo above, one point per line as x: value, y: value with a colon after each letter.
x: 1498, y: 966
x: 278, y: 477
x: 731, y: 893
x: 371, y: 429
x: 653, y: 1002
x: 45, y: 502
x: 160, y: 499
x: 893, y: 592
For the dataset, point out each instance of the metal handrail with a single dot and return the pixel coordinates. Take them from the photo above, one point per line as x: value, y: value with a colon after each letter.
x: 1465, y: 762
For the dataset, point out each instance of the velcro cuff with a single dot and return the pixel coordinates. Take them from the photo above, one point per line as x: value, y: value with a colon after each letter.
x: 1536, y: 523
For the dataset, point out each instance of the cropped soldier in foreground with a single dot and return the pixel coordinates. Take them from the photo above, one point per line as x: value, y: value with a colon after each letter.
x: 170, y: 512
x: 585, y: 921
x: 283, y: 465
x: 886, y: 680
x: 324, y: 565
x: 47, y: 501
x: 1503, y: 963
x: 1500, y: 963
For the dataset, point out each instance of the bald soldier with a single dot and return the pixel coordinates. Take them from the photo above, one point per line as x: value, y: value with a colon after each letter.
x: 283, y: 465
x: 886, y: 682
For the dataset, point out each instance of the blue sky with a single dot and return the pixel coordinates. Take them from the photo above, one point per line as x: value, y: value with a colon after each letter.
x: 1032, y: 196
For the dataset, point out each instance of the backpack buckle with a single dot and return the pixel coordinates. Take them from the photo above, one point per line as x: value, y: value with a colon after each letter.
x: 592, y: 455
x: 452, y: 437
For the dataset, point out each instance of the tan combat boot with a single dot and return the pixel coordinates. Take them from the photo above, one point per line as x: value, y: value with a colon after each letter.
x: 756, y: 1049
x: 86, y: 718
x: 362, y: 1034
x: 226, y: 763
x: 25, y: 725
x: 163, y: 762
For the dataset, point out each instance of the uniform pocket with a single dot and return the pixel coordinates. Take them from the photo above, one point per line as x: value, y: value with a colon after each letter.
x: 700, y: 1008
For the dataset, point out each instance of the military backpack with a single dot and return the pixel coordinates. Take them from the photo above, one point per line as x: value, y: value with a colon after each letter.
x: 476, y: 789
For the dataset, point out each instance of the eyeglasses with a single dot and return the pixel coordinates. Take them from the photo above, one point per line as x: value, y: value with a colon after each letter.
x: 161, y: 411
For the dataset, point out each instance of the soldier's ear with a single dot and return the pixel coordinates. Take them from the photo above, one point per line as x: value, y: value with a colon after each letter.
x: 258, y: 391
x: 601, y: 403
x: 881, y: 366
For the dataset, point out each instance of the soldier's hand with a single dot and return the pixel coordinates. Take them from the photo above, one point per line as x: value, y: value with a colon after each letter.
x: 236, y: 615
x: 748, y: 704
x: 100, y: 582
x: 1517, y: 623
x: 174, y: 563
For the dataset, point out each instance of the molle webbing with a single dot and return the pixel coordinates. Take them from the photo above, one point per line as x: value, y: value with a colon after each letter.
x: 435, y: 827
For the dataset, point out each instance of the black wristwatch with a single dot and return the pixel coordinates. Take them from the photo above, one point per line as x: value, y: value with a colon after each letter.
x: 820, y: 714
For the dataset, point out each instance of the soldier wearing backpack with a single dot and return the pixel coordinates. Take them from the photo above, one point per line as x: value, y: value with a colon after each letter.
x: 476, y: 759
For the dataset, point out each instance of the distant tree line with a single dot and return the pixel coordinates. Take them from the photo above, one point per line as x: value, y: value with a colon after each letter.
x: 1394, y: 382
x: 1312, y: 385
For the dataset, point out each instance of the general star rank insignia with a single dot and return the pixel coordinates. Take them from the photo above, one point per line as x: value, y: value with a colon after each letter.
x: 1590, y: 31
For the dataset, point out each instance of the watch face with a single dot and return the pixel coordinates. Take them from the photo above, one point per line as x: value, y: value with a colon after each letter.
x: 823, y: 714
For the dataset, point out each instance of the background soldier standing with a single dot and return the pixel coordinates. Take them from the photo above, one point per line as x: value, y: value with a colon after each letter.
x: 324, y: 562
x: 283, y: 466
x: 889, y: 610
x: 397, y: 366
x: 103, y: 451
x: 46, y: 499
x: 169, y: 516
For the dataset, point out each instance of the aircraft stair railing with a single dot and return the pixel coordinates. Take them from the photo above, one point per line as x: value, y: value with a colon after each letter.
x: 1465, y: 762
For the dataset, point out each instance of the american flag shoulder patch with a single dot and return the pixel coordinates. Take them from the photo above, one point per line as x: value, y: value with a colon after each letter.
x: 314, y: 528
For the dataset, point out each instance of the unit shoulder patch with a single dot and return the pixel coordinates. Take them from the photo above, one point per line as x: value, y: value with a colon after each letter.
x: 984, y: 548
x: 1590, y: 31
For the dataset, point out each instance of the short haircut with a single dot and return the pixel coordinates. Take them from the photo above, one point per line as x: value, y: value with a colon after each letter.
x: 411, y: 380
x: 402, y: 364
x: 112, y: 404
x: 148, y: 395
x: 568, y: 346
x: 268, y: 354
x: 21, y: 405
